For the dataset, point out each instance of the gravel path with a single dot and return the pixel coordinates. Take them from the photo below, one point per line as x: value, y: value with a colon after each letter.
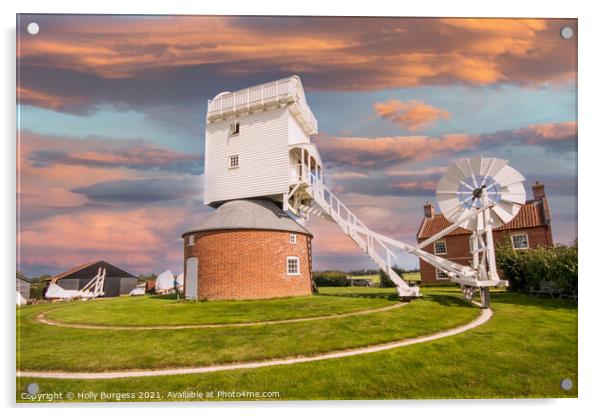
x: 485, y: 315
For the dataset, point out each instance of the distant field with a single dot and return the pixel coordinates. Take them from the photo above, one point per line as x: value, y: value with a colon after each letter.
x: 374, y: 277
x: 412, y: 276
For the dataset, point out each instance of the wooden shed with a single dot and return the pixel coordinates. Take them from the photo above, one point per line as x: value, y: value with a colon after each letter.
x: 24, y: 287
x: 117, y: 281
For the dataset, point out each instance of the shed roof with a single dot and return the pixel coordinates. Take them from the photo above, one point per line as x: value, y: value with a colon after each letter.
x: 89, y: 270
x: 25, y: 279
x: 254, y: 214
x: 530, y: 215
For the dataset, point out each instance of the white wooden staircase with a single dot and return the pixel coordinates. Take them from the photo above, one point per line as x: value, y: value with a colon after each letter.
x: 315, y: 199
x: 309, y: 195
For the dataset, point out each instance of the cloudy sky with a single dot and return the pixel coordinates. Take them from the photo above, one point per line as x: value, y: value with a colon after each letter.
x: 111, y: 122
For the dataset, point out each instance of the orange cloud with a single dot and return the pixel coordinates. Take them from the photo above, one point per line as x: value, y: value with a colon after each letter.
x: 46, y: 100
x: 329, y: 53
x: 382, y: 151
x: 143, y: 239
x: 551, y: 131
x: 363, y: 151
x: 412, y: 115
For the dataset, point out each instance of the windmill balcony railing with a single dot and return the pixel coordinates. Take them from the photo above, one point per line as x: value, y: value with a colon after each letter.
x: 269, y: 94
x: 300, y: 173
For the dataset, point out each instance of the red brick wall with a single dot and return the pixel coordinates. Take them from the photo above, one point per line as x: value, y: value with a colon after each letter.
x: 458, y: 249
x: 249, y: 264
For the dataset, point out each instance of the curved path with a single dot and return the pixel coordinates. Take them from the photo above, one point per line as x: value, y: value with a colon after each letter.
x: 485, y: 315
x: 42, y: 318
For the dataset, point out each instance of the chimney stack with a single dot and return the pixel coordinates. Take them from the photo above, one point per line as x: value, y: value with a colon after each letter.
x: 429, y: 210
x: 538, y: 191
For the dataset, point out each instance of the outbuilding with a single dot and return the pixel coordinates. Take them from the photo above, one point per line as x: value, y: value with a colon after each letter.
x: 117, y: 281
x: 247, y: 249
x: 23, y: 289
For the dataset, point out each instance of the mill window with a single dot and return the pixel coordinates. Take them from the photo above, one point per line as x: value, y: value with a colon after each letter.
x: 234, y: 161
x: 292, y: 266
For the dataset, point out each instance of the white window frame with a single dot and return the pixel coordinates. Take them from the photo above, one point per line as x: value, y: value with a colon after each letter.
x: 435, y: 247
x: 437, y: 272
x: 288, y: 269
x: 293, y: 238
x: 231, y: 159
x: 191, y: 240
x: 520, y: 235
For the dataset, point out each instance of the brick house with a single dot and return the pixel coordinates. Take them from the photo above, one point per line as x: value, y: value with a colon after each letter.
x: 530, y: 228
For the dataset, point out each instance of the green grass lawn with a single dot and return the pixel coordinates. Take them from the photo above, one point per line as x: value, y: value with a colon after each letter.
x: 88, y: 349
x: 527, y: 348
x: 165, y: 310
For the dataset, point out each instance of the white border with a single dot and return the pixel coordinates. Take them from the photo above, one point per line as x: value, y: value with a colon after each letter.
x: 590, y: 31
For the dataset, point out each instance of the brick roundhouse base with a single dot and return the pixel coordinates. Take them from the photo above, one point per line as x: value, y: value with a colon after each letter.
x: 249, y: 264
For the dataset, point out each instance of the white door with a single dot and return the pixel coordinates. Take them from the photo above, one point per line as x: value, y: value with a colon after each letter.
x: 192, y: 267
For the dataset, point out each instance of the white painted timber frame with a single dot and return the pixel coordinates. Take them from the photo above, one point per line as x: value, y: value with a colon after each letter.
x: 93, y: 289
x: 283, y: 92
x: 323, y: 203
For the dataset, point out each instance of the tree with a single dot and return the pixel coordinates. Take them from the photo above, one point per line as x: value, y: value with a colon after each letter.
x: 385, y: 281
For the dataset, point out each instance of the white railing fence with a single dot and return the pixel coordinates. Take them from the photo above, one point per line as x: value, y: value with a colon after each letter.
x: 268, y: 94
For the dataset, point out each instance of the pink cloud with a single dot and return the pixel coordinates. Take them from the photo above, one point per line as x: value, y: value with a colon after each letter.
x: 412, y: 115
x: 550, y: 132
x: 143, y: 239
x: 379, y: 151
x: 330, y: 53
x: 362, y: 151
x: 98, y: 152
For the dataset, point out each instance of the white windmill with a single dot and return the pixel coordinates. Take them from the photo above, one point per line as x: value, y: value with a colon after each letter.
x: 258, y: 146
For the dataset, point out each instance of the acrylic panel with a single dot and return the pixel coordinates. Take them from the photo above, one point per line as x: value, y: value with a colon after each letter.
x: 295, y: 208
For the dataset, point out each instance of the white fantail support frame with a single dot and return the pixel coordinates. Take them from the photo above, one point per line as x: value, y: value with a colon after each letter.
x: 477, y: 194
x: 93, y: 289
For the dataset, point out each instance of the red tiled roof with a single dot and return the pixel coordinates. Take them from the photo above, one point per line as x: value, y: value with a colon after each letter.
x: 530, y: 215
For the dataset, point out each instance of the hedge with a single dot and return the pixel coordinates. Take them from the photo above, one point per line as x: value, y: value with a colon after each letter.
x: 525, y: 269
x: 330, y: 278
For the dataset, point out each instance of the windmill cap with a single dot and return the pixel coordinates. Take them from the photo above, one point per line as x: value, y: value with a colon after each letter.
x: 248, y: 214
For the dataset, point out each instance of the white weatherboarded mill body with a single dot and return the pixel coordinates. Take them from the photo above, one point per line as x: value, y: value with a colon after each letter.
x: 257, y: 145
x: 256, y: 140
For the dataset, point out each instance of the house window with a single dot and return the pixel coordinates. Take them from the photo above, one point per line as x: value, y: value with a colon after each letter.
x: 234, y: 129
x: 191, y: 240
x: 233, y: 161
x: 293, y: 238
x: 292, y: 266
x: 520, y: 241
x: 441, y: 275
x: 440, y: 247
